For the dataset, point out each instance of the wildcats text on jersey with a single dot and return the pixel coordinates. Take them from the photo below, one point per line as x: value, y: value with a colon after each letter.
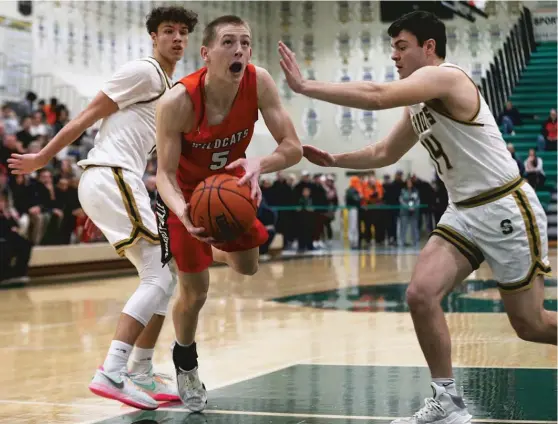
x: 224, y: 142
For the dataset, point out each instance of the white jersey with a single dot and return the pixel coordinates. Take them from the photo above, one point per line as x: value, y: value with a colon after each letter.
x: 127, y: 138
x: 471, y: 157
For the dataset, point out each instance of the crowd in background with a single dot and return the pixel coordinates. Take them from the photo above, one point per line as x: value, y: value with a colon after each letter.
x: 531, y: 167
x: 43, y: 208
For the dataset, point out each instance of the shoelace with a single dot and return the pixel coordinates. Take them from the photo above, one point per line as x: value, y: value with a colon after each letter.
x: 190, y: 381
x: 430, y: 405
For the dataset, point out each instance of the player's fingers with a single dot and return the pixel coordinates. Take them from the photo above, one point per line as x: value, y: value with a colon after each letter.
x: 234, y: 164
x: 245, y: 178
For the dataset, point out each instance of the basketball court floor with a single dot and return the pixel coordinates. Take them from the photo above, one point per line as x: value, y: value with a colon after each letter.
x: 313, y: 340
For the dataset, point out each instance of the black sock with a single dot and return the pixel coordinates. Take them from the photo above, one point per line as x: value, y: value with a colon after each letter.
x: 185, y: 357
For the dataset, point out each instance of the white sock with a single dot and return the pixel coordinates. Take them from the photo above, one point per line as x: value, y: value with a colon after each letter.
x: 447, y: 383
x: 117, y: 357
x: 183, y: 345
x: 142, y: 360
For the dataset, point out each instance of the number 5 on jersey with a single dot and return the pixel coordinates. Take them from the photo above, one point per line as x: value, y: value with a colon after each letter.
x: 219, y: 160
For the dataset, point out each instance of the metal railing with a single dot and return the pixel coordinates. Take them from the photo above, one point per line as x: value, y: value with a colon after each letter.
x: 509, y: 62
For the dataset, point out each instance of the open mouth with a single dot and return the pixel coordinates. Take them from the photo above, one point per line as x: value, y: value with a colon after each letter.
x: 236, y: 67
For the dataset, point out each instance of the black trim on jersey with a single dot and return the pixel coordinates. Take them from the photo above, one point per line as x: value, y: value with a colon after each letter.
x: 162, y: 214
x: 163, y: 80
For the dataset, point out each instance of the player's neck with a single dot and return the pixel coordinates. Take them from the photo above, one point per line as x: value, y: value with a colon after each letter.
x: 436, y: 61
x: 219, y: 93
x: 168, y: 66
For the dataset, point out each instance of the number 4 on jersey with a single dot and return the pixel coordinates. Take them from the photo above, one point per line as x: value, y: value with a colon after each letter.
x: 219, y: 160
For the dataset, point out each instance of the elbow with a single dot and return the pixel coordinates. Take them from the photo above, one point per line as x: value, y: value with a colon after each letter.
x: 387, y: 156
x: 294, y: 153
x: 297, y: 153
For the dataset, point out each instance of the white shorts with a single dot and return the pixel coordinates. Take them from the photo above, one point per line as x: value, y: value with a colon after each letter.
x: 117, y: 202
x: 508, y: 228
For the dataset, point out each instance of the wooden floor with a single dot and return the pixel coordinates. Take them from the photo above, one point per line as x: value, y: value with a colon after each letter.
x: 52, y: 337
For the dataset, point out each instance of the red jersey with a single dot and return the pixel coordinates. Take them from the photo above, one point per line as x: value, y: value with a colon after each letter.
x: 207, y: 149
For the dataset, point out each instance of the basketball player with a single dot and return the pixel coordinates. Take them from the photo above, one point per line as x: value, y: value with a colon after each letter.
x: 493, y: 214
x: 204, y: 125
x: 114, y: 197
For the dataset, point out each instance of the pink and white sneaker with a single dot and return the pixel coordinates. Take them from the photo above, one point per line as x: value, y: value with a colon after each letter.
x: 159, y: 386
x: 119, y: 386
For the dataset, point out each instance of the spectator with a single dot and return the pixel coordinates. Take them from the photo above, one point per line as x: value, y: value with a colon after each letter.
x: 27, y: 105
x: 306, y: 220
x: 509, y: 118
x: 534, y: 170
x: 38, y: 127
x: 546, y: 140
x: 51, y: 207
x: 61, y: 120
x: 11, y: 124
x: 392, y: 191
x: 520, y: 165
x: 50, y: 111
x: 268, y: 218
x: 15, y: 251
x: 24, y: 136
x: 282, y: 195
x: 9, y: 146
x: 31, y: 220
x: 440, y: 199
x: 332, y: 202
x: 353, y: 196
x: 410, y: 201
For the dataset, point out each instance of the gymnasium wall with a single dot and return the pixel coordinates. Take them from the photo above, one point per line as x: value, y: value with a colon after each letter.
x: 78, y: 44
x: 337, y: 41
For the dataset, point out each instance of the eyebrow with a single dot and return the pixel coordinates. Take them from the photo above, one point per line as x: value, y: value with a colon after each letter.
x: 398, y: 42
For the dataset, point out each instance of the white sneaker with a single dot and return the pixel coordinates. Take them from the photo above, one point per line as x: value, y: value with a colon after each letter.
x: 118, y: 386
x: 443, y: 408
x: 191, y: 390
x: 160, y: 387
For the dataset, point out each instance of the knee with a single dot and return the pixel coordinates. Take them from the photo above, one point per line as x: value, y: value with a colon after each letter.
x: 194, y: 297
x: 418, y: 297
x: 530, y: 330
x: 250, y: 268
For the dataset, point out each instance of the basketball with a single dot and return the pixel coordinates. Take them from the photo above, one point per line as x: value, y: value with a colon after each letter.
x: 223, y: 208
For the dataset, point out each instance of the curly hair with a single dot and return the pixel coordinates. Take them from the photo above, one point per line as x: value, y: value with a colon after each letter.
x: 175, y: 14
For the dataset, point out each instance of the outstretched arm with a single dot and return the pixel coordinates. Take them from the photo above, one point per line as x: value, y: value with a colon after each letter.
x: 426, y: 83
x: 383, y: 153
x: 100, y: 107
x: 134, y: 81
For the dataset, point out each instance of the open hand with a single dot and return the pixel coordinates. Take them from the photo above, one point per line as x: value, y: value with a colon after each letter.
x: 290, y: 68
x: 253, y: 169
x: 25, y: 164
x: 318, y: 156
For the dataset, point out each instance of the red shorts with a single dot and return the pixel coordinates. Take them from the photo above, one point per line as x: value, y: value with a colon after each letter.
x: 192, y: 255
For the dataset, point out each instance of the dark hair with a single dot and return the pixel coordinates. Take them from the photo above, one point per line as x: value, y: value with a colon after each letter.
x: 210, y: 31
x: 424, y: 26
x: 175, y: 14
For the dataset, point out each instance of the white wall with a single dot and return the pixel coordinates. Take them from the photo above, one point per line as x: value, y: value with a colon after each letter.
x: 83, y: 42
x: 16, y: 50
x: 469, y: 45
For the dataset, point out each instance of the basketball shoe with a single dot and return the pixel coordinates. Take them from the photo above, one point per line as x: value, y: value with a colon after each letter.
x: 443, y: 408
x: 160, y: 387
x: 191, y: 390
x: 119, y: 386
